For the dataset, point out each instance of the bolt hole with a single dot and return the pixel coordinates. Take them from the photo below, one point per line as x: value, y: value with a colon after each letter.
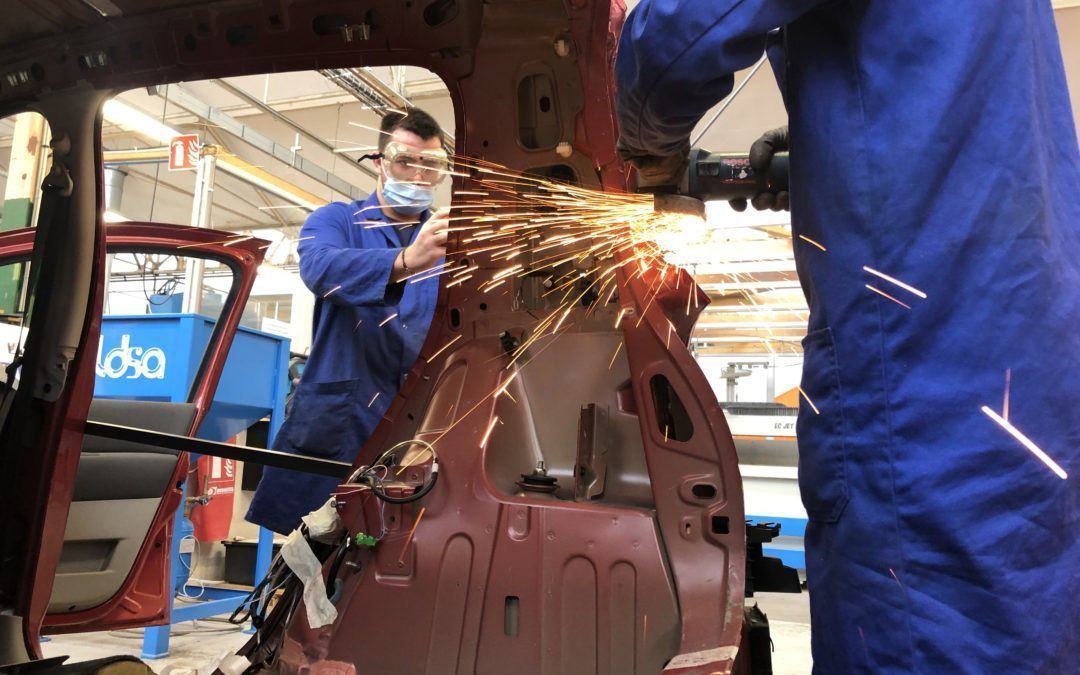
x: 545, y: 104
x: 484, y: 144
x: 483, y: 306
x: 688, y: 529
x: 720, y: 525
x: 704, y: 491
x: 455, y: 318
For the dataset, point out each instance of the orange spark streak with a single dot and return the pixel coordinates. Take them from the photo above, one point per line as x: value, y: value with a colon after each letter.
x: 622, y: 313
x: 901, y: 284
x: 1026, y: 442
x: 387, y: 320
x: 612, y: 362
x: 811, y: 241
x: 1008, y: 383
x: 408, y: 539
x: 816, y: 411
x: 443, y: 348
x: 491, y: 426
x: 461, y: 280
x: 883, y: 293
x: 372, y: 401
x: 335, y: 288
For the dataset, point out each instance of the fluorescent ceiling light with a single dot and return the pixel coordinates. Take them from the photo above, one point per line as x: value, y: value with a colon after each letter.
x: 131, y: 119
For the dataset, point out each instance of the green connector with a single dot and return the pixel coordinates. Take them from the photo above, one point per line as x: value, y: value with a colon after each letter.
x: 365, y: 540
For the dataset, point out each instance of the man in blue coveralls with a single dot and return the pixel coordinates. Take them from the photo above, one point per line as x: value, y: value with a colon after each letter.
x: 370, y: 323
x: 932, y: 142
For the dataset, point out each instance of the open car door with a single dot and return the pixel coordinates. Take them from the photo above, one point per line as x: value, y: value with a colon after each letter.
x: 113, y: 564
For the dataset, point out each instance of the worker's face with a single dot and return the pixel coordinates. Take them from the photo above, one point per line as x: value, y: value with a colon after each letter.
x: 411, y: 159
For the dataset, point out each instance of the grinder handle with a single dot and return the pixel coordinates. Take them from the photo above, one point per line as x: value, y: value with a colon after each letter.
x: 726, y: 175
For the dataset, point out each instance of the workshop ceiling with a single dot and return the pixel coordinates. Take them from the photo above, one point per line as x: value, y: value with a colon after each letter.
x: 746, y: 266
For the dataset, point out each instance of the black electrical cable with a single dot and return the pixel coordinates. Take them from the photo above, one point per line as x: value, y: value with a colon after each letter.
x: 366, y: 474
x: 331, y: 575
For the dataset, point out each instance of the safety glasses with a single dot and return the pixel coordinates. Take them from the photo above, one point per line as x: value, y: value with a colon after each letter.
x: 401, y: 162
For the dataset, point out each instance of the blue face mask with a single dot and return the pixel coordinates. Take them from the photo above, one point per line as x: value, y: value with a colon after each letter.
x: 408, y: 199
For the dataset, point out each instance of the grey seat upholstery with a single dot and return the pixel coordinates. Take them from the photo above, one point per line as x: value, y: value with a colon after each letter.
x: 111, y: 469
x: 118, y: 489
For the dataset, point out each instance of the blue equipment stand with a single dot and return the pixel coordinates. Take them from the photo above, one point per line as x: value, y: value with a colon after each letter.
x: 788, y: 547
x: 253, y: 384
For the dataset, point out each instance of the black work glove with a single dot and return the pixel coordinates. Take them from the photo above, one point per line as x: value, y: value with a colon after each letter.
x: 761, y: 154
x: 654, y: 171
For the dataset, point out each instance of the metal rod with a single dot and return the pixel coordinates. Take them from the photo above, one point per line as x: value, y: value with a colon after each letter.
x: 282, y: 460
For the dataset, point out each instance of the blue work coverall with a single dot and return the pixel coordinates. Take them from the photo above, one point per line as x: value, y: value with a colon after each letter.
x: 358, y: 359
x: 933, y: 142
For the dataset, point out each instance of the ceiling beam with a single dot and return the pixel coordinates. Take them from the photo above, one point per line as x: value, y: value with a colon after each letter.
x: 188, y: 101
x: 295, y: 126
x: 376, y: 94
x: 253, y: 175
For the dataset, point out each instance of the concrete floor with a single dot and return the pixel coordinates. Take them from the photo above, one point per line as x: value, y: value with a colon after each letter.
x: 196, y: 647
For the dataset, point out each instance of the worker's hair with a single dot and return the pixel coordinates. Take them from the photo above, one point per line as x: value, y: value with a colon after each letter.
x: 415, y: 120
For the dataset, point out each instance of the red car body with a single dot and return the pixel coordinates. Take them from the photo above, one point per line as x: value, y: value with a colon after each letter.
x: 648, y: 576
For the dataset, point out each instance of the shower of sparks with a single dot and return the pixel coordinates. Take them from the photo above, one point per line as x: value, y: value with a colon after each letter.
x: 491, y: 426
x: 387, y: 320
x: 335, y: 288
x: 816, y: 411
x: 577, y: 245
x: 372, y: 401
x: 408, y: 539
x: 811, y: 241
x: 897, y: 282
x: 1026, y: 442
x: 886, y: 295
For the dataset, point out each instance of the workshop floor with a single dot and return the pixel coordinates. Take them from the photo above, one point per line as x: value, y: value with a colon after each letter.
x: 196, y: 649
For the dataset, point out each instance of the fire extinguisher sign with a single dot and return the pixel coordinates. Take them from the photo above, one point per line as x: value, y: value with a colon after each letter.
x: 183, y: 152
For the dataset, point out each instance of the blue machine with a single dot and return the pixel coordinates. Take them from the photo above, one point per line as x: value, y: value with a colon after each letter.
x: 155, y: 357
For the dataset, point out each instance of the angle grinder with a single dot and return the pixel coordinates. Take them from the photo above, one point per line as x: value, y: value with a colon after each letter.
x: 720, y: 176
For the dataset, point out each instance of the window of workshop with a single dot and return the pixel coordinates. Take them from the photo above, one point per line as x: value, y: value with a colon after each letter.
x: 12, y: 331
x: 24, y: 161
x: 254, y: 156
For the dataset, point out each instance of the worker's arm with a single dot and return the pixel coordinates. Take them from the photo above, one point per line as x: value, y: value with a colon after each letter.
x: 426, y: 250
x: 677, y: 59
x: 338, y: 272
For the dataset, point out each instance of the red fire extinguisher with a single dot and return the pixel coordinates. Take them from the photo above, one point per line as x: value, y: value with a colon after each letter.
x: 216, y: 481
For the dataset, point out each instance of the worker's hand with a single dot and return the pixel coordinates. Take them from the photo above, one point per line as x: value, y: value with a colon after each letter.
x: 761, y: 154
x: 429, y: 247
x: 654, y: 171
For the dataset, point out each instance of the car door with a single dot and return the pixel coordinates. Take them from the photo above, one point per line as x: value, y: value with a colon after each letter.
x: 113, y: 568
